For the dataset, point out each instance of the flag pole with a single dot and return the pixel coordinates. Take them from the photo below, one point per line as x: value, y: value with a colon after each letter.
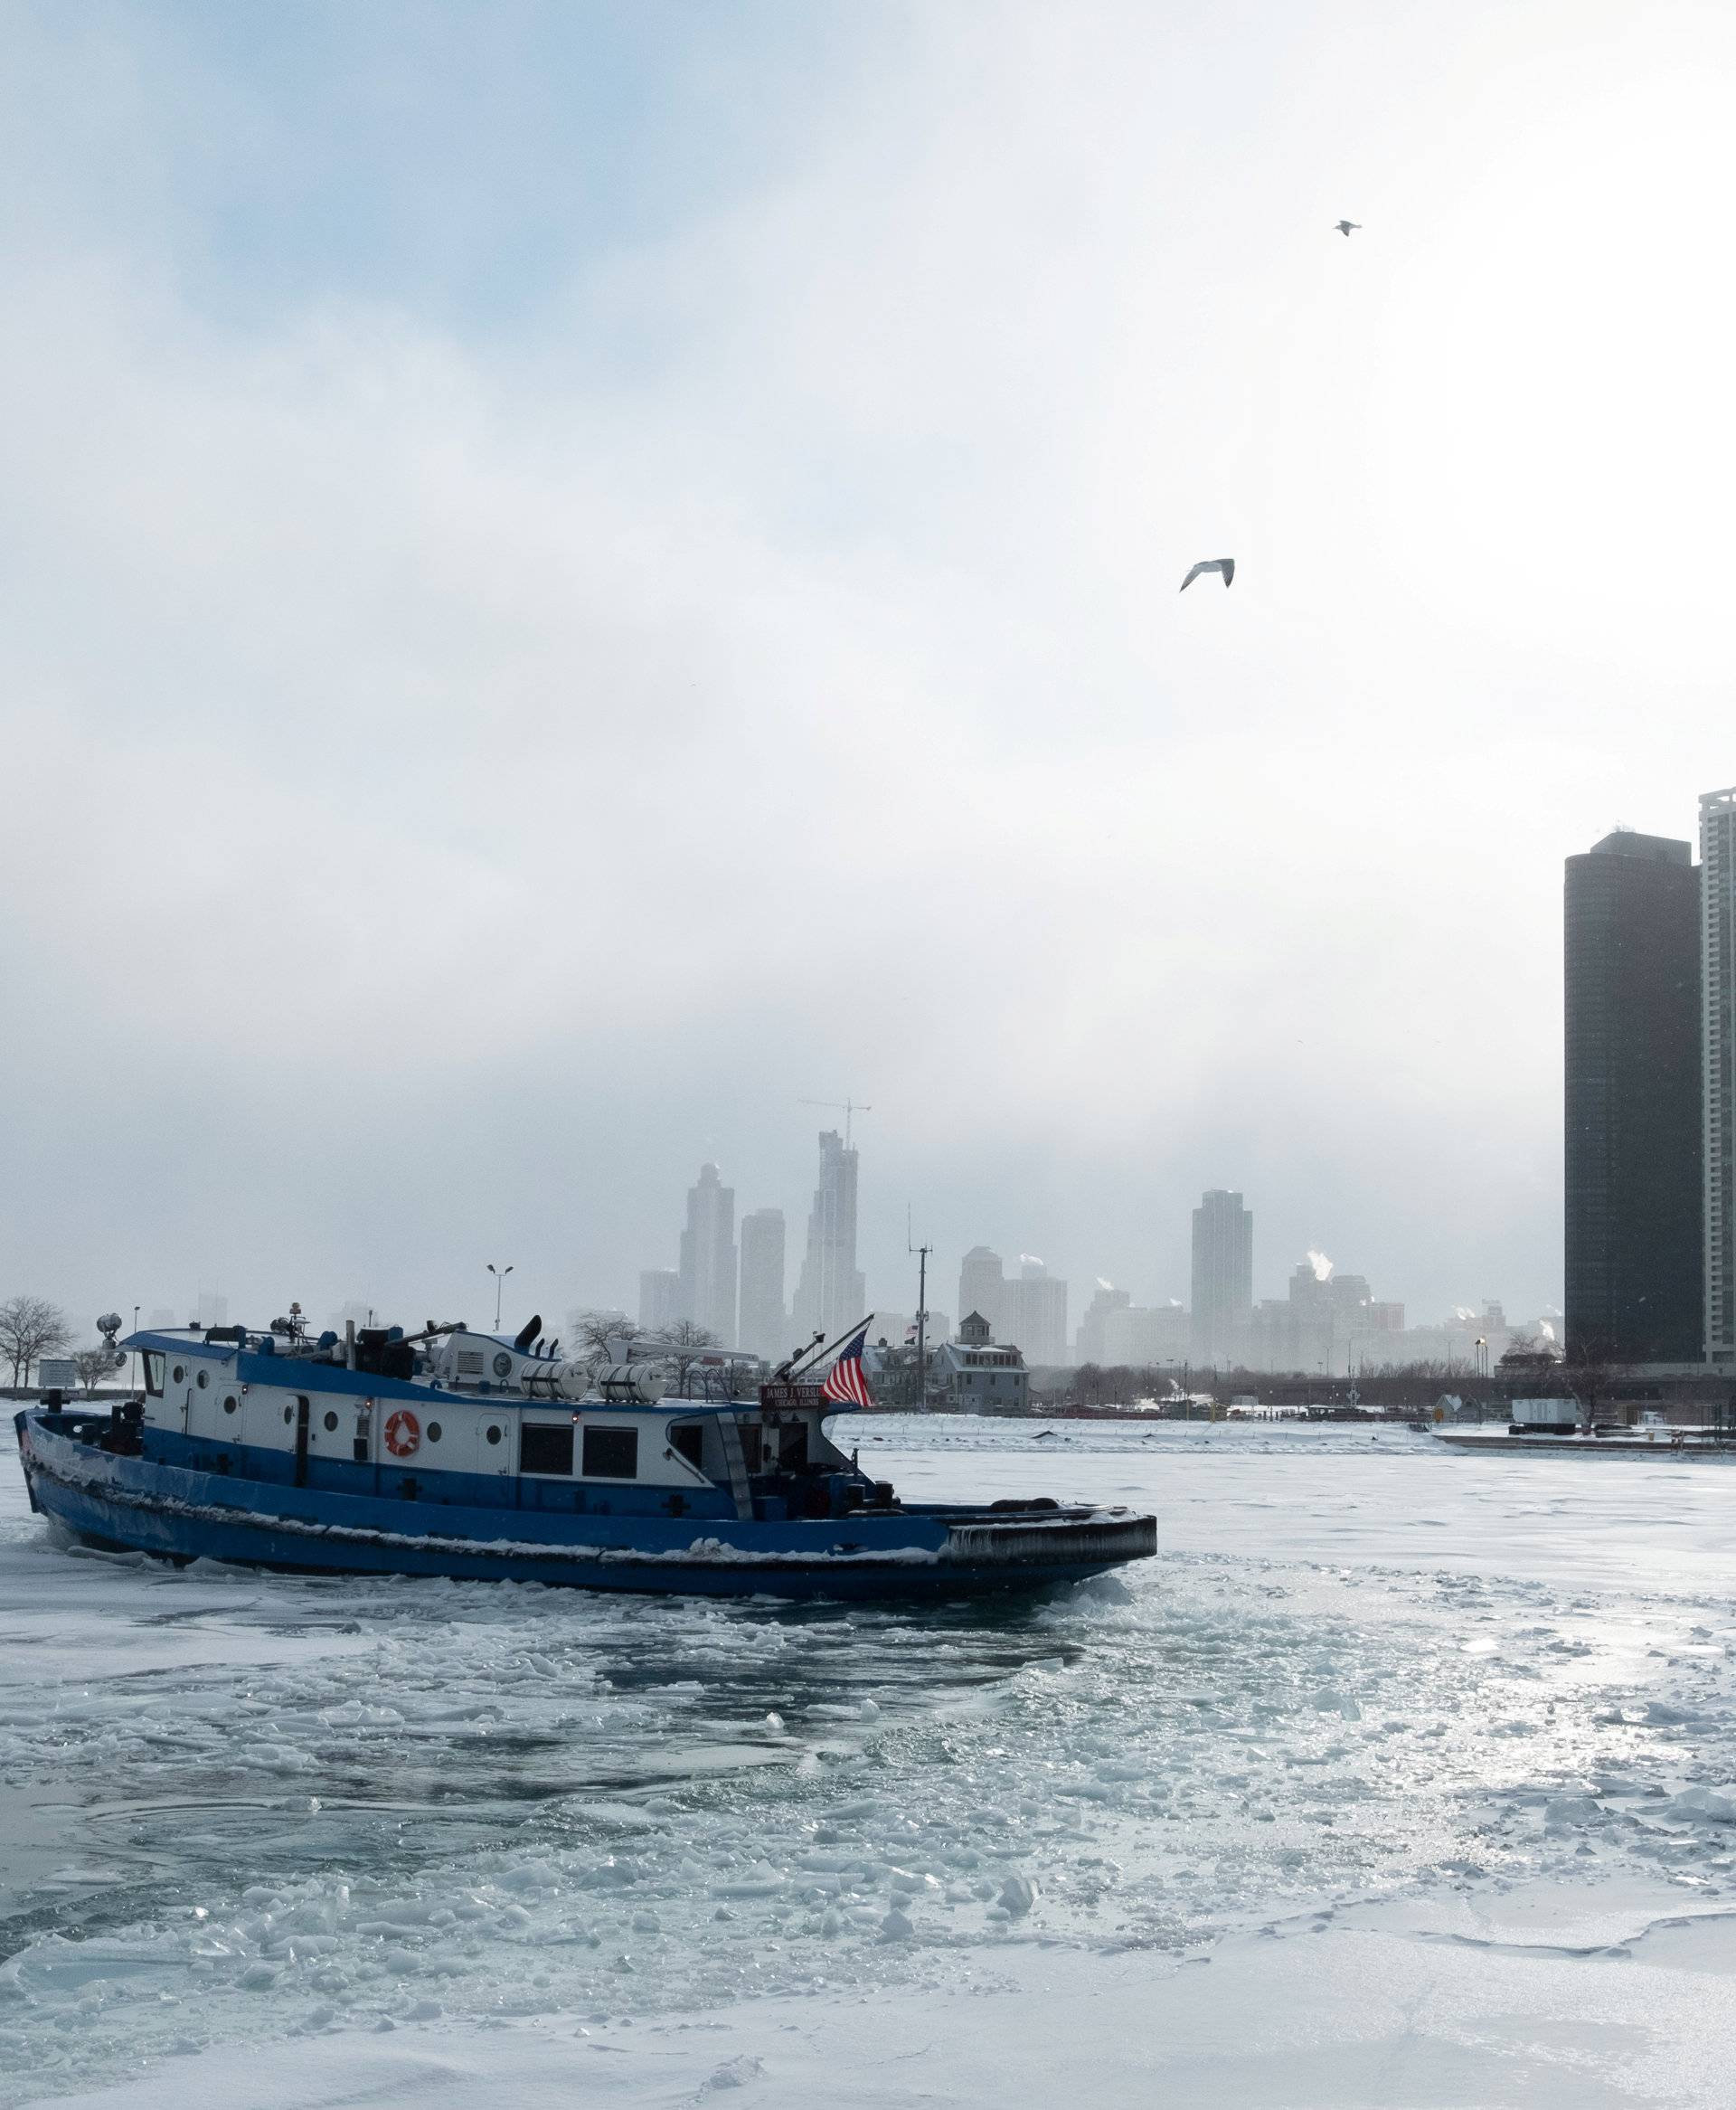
x: 814, y: 1356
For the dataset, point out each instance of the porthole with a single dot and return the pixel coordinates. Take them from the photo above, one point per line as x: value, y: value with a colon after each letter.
x: 331, y: 1423
x: 204, y: 1379
x: 433, y: 1431
x: 503, y: 1364
x: 492, y: 1431
x: 230, y: 1403
x: 288, y: 1413
x: 178, y: 1375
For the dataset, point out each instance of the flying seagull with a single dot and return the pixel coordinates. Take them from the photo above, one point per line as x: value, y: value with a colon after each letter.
x: 1227, y: 566
x: 1349, y: 227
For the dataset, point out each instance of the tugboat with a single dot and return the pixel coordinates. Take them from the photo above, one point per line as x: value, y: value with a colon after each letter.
x: 486, y: 1457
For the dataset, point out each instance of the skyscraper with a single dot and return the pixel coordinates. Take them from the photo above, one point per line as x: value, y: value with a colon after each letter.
x: 659, y: 1298
x: 830, y: 1292
x: 980, y: 1281
x: 1034, y: 1314
x: 1091, y: 1346
x: 765, y: 1321
x: 1636, y: 1213
x: 708, y: 1256
x: 1718, y: 1066
x: 1223, y: 1276
x: 1146, y: 1334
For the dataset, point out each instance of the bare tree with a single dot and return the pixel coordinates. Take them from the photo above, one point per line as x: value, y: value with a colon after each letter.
x: 93, y: 1365
x: 684, y: 1343
x: 601, y: 1332
x: 30, y: 1328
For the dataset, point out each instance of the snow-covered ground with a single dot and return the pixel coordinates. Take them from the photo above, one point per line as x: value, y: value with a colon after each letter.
x: 1400, y: 1777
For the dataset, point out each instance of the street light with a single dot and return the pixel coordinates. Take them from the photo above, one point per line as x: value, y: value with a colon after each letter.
x: 500, y: 1276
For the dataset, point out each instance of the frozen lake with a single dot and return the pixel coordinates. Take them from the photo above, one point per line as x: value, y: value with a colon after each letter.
x: 1400, y: 1777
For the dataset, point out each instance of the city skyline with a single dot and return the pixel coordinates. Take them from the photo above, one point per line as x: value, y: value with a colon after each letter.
x: 1038, y: 1300
x: 1327, y: 1319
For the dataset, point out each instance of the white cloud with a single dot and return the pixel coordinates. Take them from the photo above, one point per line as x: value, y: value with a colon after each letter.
x: 633, y: 747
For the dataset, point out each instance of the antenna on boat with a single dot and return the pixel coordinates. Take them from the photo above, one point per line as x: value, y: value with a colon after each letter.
x: 847, y: 1107
x: 787, y: 1368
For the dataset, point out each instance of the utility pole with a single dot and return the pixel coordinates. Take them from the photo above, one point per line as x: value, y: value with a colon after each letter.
x: 923, y: 1252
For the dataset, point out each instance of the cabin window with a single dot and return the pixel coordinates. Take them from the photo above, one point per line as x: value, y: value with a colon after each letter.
x: 288, y: 1413
x: 179, y: 1373
x: 204, y: 1379
x: 492, y: 1431
x: 611, y: 1453
x: 433, y: 1431
x: 547, y: 1447
x: 792, y: 1448
x: 331, y: 1423
x: 154, y: 1374
x: 230, y: 1403
x: 689, y: 1440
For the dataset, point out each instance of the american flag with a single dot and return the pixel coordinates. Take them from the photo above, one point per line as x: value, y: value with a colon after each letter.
x: 844, y: 1381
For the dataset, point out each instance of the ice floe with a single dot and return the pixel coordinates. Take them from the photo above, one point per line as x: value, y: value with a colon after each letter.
x: 243, y: 1810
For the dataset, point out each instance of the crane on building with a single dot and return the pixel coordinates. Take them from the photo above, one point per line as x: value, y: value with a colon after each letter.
x: 847, y: 1107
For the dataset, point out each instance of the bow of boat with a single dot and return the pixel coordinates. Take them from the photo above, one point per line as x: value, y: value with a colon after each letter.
x: 1063, y: 1538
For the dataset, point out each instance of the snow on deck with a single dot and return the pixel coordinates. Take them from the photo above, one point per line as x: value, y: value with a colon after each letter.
x: 1402, y: 1775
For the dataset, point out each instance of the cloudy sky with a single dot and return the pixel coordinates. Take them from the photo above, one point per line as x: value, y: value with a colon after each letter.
x: 574, y: 575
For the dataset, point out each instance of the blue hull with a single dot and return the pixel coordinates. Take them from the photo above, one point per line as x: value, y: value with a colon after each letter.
x: 143, y: 1506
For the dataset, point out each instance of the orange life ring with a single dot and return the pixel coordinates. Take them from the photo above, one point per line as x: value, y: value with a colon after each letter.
x: 403, y: 1433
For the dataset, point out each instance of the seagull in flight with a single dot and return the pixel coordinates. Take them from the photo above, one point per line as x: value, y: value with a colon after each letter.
x: 1227, y: 566
x: 1349, y: 227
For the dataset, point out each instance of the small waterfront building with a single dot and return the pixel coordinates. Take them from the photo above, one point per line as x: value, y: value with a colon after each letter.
x: 973, y: 1375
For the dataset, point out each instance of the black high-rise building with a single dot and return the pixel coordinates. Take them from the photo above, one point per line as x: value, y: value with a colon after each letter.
x: 1634, y: 1266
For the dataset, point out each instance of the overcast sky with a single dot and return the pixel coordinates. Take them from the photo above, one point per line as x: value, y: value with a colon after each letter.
x: 574, y: 575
